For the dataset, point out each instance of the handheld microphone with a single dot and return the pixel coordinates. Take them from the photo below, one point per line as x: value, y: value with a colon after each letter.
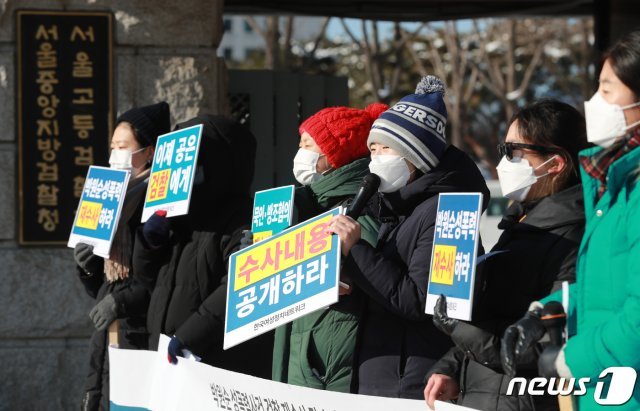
x: 368, y: 188
x: 554, y: 319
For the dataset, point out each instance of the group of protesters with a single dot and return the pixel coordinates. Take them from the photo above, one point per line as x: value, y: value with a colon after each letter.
x: 574, y: 217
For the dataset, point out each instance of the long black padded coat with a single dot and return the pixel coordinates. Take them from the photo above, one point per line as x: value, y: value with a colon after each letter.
x: 536, y: 252
x: 132, y: 301
x: 188, y: 277
x: 398, y: 342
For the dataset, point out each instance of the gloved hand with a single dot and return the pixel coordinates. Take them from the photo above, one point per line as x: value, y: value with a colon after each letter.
x: 247, y: 239
x: 104, y: 313
x: 552, y: 363
x: 441, y: 320
x: 520, y: 337
x: 175, y: 350
x: 87, y: 260
x: 156, y: 229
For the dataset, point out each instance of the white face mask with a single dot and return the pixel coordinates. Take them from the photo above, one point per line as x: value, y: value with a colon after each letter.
x: 393, y: 171
x: 516, y: 177
x: 305, y: 167
x: 605, y: 121
x: 120, y: 159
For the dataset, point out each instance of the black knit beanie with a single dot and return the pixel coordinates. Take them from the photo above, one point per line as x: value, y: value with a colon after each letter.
x: 148, y: 121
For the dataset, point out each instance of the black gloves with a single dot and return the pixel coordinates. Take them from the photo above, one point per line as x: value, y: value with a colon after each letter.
x: 441, y: 320
x: 157, y: 230
x: 246, y: 240
x: 520, y: 337
x: 89, y: 262
x: 104, y: 313
x: 174, y: 350
x: 547, y: 362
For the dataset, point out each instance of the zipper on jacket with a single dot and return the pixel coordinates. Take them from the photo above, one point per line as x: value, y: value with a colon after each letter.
x: 403, y: 355
x: 320, y: 378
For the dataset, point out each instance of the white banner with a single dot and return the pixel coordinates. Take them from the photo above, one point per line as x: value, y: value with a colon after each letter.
x: 144, y: 380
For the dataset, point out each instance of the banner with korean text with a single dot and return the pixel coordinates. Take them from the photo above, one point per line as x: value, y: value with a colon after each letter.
x: 272, y: 212
x: 173, y: 172
x: 99, y: 209
x: 282, y: 278
x: 195, y: 386
x: 453, y: 257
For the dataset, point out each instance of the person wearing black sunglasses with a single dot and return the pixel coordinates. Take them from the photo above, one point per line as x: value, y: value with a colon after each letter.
x: 535, y: 253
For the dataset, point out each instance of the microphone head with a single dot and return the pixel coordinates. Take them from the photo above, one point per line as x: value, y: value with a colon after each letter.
x: 553, y: 314
x: 552, y: 308
x: 371, y: 181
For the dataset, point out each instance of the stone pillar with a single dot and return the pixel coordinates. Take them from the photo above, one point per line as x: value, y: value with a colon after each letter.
x: 625, y: 17
x: 163, y: 50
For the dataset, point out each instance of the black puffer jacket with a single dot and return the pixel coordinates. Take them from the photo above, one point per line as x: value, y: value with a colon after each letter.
x: 536, y: 252
x: 188, y: 277
x: 398, y: 341
x: 132, y: 301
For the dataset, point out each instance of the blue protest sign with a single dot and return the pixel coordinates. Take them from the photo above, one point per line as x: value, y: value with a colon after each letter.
x: 453, y: 258
x: 99, y: 209
x: 284, y: 277
x: 272, y: 212
x: 173, y: 172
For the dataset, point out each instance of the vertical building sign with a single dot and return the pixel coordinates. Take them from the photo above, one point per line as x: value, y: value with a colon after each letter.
x: 65, y: 104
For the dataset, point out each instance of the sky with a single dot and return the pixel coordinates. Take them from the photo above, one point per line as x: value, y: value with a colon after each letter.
x: 335, y: 28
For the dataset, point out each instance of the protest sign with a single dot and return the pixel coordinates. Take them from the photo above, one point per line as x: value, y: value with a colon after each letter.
x: 272, y: 212
x: 143, y: 380
x: 172, y: 172
x: 99, y: 209
x: 282, y: 278
x: 453, y: 257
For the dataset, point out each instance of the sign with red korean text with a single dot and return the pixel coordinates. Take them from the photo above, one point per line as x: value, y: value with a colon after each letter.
x: 453, y: 257
x: 173, y: 172
x: 99, y: 209
x: 282, y: 278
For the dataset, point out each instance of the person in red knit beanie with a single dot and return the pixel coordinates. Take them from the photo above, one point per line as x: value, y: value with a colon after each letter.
x: 332, y: 138
x: 317, y: 350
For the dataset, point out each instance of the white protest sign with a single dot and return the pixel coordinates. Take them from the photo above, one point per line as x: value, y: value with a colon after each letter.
x: 453, y: 257
x: 195, y: 386
x: 99, y: 209
x: 284, y: 277
x: 272, y: 212
x: 172, y: 172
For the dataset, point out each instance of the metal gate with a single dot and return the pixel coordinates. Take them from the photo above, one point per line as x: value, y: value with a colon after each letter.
x: 273, y: 104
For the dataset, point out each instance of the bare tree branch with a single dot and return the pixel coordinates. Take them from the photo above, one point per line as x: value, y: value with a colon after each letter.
x: 319, y: 37
x: 255, y: 26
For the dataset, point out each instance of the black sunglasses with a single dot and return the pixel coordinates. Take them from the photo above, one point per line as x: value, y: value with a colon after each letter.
x: 506, y: 149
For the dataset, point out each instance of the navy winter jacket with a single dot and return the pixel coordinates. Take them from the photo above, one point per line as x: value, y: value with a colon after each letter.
x: 398, y: 343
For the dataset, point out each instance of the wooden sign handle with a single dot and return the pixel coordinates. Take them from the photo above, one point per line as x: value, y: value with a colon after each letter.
x: 113, y: 333
x: 565, y: 402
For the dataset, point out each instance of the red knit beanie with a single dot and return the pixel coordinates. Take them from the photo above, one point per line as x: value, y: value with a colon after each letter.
x: 341, y: 132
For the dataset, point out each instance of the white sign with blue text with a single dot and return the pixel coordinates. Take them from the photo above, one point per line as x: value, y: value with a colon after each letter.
x: 453, y: 257
x: 99, y: 209
x: 172, y: 172
x: 282, y: 278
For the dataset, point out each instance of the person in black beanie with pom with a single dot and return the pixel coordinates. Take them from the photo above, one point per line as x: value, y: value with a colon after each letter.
x: 398, y: 342
x: 109, y: 281
x: 182, y: 261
